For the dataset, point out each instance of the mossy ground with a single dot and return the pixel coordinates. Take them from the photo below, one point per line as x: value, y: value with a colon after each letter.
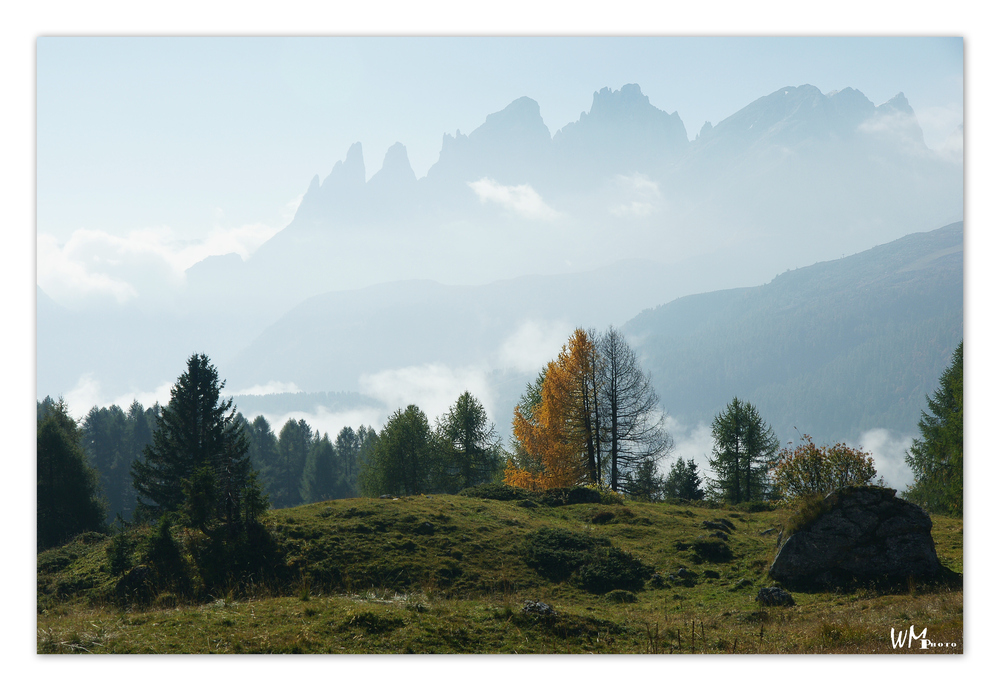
x: 450, y: 573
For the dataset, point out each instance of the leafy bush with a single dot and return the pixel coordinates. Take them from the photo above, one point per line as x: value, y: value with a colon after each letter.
x: 809, y: 469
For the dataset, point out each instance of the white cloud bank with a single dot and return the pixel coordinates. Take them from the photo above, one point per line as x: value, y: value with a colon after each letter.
x: 522, y: 200
x: 268, y: 388
x: 89, y: 393
x: 95, y: 263
x: 888, y: 448
x: 432, y: 387
x: 532, y: 345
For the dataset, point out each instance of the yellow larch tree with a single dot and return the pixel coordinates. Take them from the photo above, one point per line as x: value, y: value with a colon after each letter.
x: 555, y: 430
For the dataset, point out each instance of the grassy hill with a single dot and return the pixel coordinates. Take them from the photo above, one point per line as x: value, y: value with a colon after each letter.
x: 448, y: 573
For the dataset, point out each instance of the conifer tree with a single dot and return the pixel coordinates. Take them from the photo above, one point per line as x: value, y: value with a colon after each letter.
x: 746, y: 448
x: 400, y: 460
x: 199, y: 460
x: 321, y: 475
x: 470, y: 445
x: 285, y: 477
x: 68, y: 499
x: 683, y: 481
x: 937, y: 457
x: 631, y: 421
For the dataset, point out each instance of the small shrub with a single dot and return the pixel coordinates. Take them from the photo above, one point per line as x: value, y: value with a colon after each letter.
x: 163, y: 554
x: 602, y: 517
x: 119, y: 550
x: 607, y: 495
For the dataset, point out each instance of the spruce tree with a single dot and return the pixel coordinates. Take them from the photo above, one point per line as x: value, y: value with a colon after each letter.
x: 746, y: 448
x: 198, y: 465
x: 683, y: 481
x: 937, y: 457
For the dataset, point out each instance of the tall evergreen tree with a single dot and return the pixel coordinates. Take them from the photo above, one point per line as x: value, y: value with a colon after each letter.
x: 347, y: 447
x: 199, y: 460
x: 322, y: 474
x: 105, y: 439
x: 285, y: 479
x: 937, y: 457
x: 400, y: 461
x: 470, y: 445
x: 68, y: 501
x: 746, y: 448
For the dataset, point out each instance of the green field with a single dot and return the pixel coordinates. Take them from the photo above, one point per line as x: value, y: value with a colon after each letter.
x: 452, y: 574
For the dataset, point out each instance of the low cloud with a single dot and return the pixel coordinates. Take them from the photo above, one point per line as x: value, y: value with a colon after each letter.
x: 325, y: 421
x: 639, y: 196
x: 95, y: 263
x: 888, y: 448
x: 89, y: 393
x: 533, y: 345
x: 434, y: 388
x: 939, y: 123
x: 522, y: 200
x: 690, y: 441
x: 268, y: 388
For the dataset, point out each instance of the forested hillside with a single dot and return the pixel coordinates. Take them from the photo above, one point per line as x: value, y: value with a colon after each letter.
x: 833, y: 349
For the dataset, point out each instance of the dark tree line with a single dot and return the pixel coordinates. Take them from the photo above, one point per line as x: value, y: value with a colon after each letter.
x: 68, y: 494
x: 298, y: 466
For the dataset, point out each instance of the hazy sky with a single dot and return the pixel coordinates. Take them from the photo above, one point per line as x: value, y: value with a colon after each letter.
x: 202, y: 135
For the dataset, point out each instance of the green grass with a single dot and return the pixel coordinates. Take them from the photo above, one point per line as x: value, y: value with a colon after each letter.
x: 451, y: 573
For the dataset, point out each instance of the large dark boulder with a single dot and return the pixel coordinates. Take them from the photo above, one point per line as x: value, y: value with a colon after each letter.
x: 860, y: 536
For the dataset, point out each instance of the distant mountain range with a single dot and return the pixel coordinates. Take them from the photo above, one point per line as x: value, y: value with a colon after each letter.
x: 795, y: 177
x: 833, y: 349
x: 516, y: 234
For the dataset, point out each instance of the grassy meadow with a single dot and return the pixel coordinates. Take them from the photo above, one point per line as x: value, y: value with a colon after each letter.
x: 452, y: 574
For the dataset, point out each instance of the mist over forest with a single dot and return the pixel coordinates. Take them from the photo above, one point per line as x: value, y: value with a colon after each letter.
x: 804, y: 253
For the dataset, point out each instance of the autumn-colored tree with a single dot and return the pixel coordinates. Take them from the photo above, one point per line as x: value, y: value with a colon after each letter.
x: 810, y: 469
x: 557, y: 429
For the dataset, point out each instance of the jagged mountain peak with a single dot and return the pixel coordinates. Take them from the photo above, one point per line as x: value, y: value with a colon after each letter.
x: 395, y: 166
x: 522, y: 117
x: 897, y: 103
